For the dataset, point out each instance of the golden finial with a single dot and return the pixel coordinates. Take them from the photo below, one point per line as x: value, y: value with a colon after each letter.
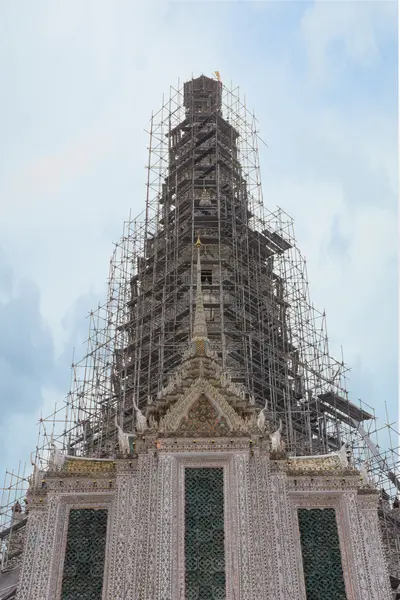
x: 198, y: 243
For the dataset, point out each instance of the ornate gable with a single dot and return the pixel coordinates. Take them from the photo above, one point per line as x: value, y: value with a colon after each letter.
x: 205, y: 418
x: 206, y: 412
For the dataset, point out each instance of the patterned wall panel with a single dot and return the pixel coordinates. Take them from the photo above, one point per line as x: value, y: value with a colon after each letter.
x: 165, y: 528
x: 204, y: 534
x: 119, y: 547
x: 41, y: 587
x: 371, y: 535
x: 85, y: 555
x: 34, y: 547
x: 246, y: 563
x: 320, y: 547
x: 283, y: 557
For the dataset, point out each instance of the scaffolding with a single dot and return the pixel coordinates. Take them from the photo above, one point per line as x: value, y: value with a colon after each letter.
x: 203, y: 178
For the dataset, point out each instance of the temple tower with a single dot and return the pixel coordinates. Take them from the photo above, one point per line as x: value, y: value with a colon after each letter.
x: 208, y: 185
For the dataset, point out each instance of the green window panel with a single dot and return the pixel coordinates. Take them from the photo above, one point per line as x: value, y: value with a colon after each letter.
x: 323, y: 572
x: 85, y: 555
x: 204, y: 534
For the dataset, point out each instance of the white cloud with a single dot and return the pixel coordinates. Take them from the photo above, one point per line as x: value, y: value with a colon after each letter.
x: 348, y: 31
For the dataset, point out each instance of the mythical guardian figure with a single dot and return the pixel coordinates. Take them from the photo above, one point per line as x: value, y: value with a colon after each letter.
x: 277, y: 442
x: 261, y: 420
x: 57, y: 458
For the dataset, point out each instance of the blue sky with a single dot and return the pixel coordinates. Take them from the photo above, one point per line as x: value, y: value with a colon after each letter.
x: 78, y: 84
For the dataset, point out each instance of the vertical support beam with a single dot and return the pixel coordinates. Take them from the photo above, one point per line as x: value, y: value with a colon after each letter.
x: 165, y: 527
x: 358, y: 567
x: 136, y: 585
x: 142, y: 584
x: 373, y: 547
x: 40, y: 549
x: 120, y: 531
x: 261, y: 528
x: 153, y: 501
x: 49, y: 549
x: 132, y: 526
x: 286, y: 582
x: 32, y: 551
x: 245, y: 556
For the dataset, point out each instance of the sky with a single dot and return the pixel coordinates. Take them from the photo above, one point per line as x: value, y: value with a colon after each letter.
x: 78, y: 82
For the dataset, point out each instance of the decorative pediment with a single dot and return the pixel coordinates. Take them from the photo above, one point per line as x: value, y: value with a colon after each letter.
x: 203, y: 411
x: 322, y: 464
x: 204, y: 418
x: 87, y: 466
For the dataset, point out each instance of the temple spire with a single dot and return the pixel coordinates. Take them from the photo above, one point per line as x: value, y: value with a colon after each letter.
x: 200, y: 335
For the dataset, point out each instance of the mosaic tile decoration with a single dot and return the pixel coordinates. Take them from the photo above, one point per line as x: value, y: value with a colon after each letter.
x: 320, y: 547
x: 203, y: 417
x: 204, y: 534
x: 85, y: 555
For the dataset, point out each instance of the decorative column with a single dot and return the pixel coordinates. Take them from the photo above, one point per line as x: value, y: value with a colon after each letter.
x: 131, y: 525
x: 261, y: 530
x: 50, y: 550
x: 34, y: 548
x: 243, y: 502
x: 286, y: 583
x: 142, y: 582
x: 373, y: 547
x: 166, y: 522
x: 117, y: 583
x: 355, y: 548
